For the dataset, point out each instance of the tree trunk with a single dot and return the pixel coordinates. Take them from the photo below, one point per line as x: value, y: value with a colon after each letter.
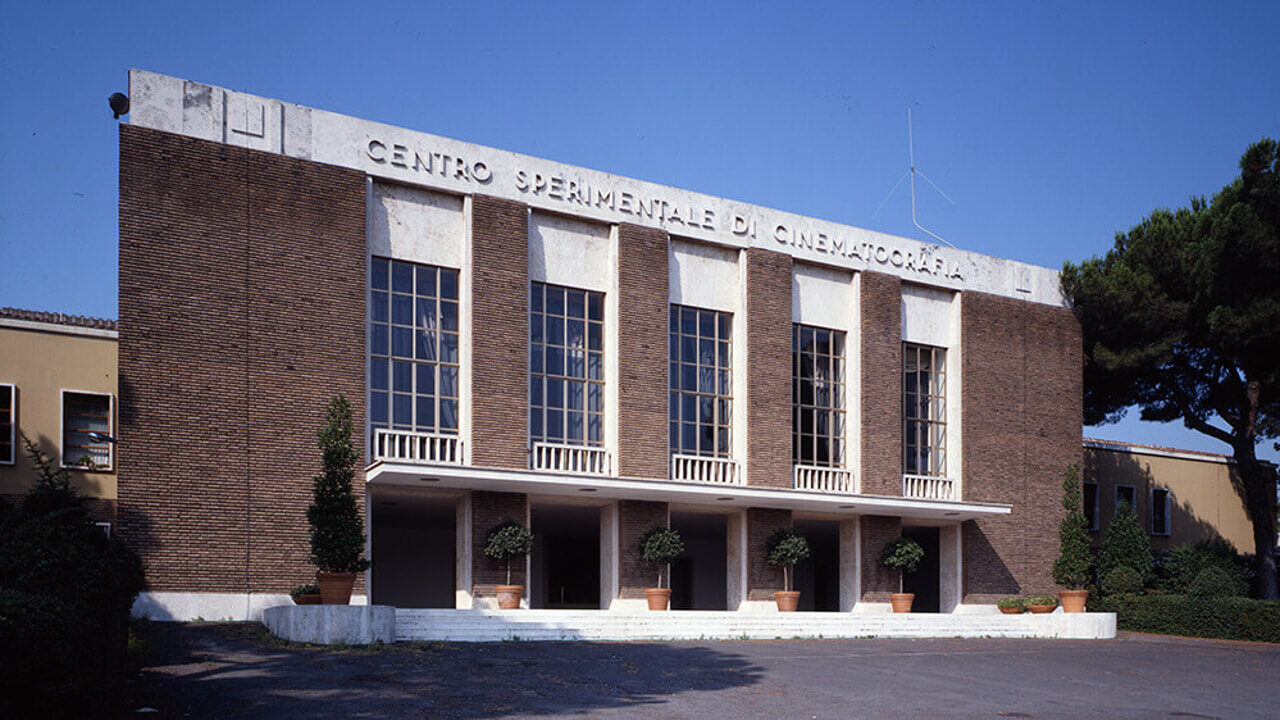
x: 1260, y: 503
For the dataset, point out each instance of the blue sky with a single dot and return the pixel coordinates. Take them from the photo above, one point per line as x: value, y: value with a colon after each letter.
x: 1051, y: 126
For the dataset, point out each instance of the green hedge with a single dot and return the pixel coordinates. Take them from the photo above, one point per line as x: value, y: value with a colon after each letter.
x: 1229, y: 618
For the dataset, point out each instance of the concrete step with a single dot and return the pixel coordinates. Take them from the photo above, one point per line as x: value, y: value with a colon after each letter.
x: 495, y: 625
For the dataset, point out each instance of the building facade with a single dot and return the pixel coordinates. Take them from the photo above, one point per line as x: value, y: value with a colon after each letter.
x: 1179, y: 496
x: 590, y: 355
x: 57, y: 385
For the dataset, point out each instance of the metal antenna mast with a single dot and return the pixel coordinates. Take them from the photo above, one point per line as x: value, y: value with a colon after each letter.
x: 912, y: 172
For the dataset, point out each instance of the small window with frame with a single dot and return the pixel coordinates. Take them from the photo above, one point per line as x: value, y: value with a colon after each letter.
x: 1091, y: 505
x: 86, y: 429
x: 8, y: 423
x: 1126, y: 495
x: 1159, y: 511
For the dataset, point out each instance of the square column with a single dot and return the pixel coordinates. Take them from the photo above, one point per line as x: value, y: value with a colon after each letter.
x: 875, y: 532
x: 763, y: 579
x: 635, y: 518
x: 488, y: 509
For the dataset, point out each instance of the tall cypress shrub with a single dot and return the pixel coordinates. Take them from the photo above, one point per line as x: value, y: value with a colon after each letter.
x: 1071, y: 569
x: 1126, y: 545
x: 337, y: 533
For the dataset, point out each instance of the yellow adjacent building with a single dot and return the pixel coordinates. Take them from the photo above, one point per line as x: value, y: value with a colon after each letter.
x: 58, y: 387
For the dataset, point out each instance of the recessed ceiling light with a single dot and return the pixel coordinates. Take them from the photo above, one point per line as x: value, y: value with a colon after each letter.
x: 951, y: 514
x: 586, y: 489
x: 848, y: 507
x: 389, y: 503
x: 429, y: 479
x: 728, y: 499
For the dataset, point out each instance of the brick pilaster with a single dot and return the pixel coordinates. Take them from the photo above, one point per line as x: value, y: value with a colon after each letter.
x: 763, y: 579
x: 881, y: 391
x: 643, y: 303
x: 488, y: 509
x: 635, y: 518
x: 768, y: 368
x: 877, y: 581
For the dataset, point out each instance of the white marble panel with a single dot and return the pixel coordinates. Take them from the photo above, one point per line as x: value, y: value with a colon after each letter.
x: 822, y: 296
x: 703, y: 276
x: 927, y: 316
x: 565, y: 251
x: 416, y: 225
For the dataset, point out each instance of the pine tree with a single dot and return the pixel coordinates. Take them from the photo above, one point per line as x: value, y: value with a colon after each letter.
x: 337, y: 532
x: 1126, y: 545
x: 1071, y: 569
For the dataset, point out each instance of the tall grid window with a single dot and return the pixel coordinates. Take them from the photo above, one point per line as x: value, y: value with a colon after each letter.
x: 1159, y: 511
x: 84, y: 413
x: 924, y: 410
x: 817, y: 396
x: 413, y: 347
x: 566, y: 365
x: 701, y: 405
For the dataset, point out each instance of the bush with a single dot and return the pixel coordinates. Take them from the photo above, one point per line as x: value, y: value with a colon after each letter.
x: 784, y: 549
x: 1011, y: 602
x: 1213, y: 582
x: 1042, y: 600
x: 300, y: 590
x: 659, y: 547
x: 1071, y: 569
x: 1209, y: 617
x: 337, y: 532
x: 506, y: 541
x: 66, y: 591
x: 1120, y: 581
x: 1184, y: 563
x: 1126, y: 545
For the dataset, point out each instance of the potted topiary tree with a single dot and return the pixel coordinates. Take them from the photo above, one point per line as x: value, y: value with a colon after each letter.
x: 902, y: 555
x: 659, y: 547
x: 507, y: 541
x: 784, y: 549
x: 337, y: 532
x: 1071, y: 569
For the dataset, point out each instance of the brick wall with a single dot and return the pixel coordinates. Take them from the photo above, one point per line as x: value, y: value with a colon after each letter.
x: 768, y: 367
x: 488, y: 509
x: 643, y: 302
x: 881, y: 391
x: 499, y: 333
x: 763, y: 579
x: 242, y: 286
x: 635, y: 518
x: 878, y: 582
x: 1022, y: 423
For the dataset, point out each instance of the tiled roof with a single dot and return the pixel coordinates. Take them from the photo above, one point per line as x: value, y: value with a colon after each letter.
x: 57, y: 318
x: 1121, y: 445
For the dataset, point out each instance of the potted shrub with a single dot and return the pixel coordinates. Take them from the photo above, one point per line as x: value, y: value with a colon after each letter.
x: 1042, y: 604
x: 784, y: 549
x: 337, y: 532
x: 308, y: 594
x: 659, y: 547
x: 506, y: 541
x: 1071, y: 569
x: 1012, y: 605
x: 902, y: 555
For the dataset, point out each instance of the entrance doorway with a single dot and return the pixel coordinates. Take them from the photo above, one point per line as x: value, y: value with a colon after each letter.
x: 565, y: 562
x: 817, y: 577
x: 924, y: 581
x: 699, y: 577
x: 413, y: 550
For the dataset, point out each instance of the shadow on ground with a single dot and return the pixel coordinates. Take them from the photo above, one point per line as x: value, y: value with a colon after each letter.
x: 238, y: 670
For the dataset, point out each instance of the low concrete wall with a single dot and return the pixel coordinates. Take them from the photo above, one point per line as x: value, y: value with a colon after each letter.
x: 332, y: 624
x: 189, y: 606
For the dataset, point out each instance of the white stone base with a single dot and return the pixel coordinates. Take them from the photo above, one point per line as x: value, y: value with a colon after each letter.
x: 189, y: 606
x: 495, y: 625
x: 332, y: 624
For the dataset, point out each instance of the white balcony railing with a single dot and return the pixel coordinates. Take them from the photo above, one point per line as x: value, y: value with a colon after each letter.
x: 696, y: 468
x: 417, y: 447
x: 577, y: 459
x: 824, y: 479
x: 928, y: 488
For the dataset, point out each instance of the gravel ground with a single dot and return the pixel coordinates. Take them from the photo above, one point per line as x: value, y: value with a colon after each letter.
x: 235, y: 670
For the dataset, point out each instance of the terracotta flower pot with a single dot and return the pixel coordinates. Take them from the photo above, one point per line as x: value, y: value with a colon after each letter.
x: 1012, y: 610
x: 1041, y: 609
x: 509, y: 596
x: 787, y: 600
x: 335, y: 588
x: 308, y: 599
x: 901, y: 601
x: 658, y: 598
x: 1072, y: 600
